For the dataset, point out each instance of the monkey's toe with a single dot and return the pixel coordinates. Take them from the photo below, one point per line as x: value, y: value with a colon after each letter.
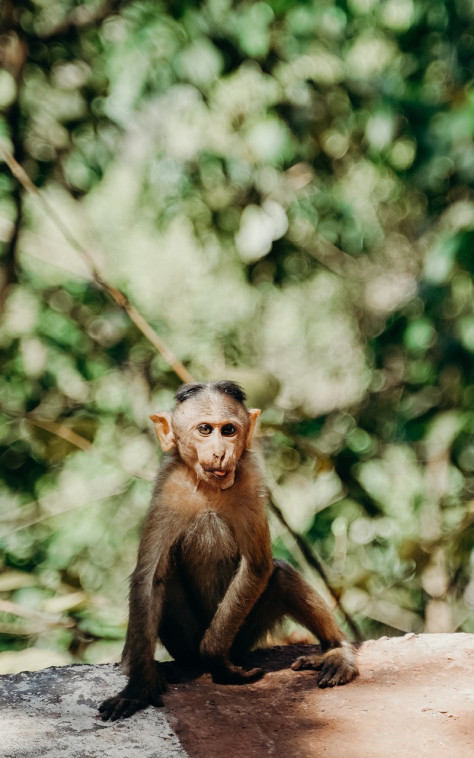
x: 330, y: 676
x: 333, y: 669
x: 307, y: 662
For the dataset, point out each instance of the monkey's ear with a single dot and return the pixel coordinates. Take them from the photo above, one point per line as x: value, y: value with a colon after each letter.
x: 254, y: 413
x: 164, y: 432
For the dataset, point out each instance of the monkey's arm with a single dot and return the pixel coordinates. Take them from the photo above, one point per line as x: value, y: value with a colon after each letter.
x: 243, y: 592
x: 146, y: 683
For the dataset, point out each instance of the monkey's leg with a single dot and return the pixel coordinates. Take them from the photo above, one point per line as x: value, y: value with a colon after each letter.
x: 287, y: 593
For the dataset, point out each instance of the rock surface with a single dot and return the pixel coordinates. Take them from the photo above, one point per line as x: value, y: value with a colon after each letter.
x: 414, y: 696
x: 52, y: 714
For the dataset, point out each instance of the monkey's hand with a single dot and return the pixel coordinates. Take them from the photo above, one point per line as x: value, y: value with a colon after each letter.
x: 225, y: 672
x: 336, y: 666
x: 135, y: 697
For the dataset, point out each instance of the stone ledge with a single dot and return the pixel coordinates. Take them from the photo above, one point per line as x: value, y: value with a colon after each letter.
x: 414, y: 696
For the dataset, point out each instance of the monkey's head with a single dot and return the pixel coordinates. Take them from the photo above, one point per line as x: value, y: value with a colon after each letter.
x: 209, y: 428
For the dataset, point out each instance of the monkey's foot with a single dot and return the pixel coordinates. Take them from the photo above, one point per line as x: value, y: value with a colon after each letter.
x: 336, y: 666
x: 231, y: 674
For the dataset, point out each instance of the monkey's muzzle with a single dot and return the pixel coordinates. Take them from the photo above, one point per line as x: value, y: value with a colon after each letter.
x: 223, y: 477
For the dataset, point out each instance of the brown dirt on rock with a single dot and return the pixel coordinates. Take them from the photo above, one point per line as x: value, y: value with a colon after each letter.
x: 414, y: 696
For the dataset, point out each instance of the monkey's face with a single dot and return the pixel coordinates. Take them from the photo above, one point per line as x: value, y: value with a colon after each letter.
x: 210, y: 433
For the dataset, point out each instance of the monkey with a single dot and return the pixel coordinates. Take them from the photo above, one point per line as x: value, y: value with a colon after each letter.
x: 205, y: 583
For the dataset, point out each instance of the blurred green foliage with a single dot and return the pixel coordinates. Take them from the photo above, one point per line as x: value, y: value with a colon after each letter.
x: 283, y: 189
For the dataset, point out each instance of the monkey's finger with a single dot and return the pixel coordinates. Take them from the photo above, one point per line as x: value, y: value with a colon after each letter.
x: 115, y: 708
x: 125, y: 709
x: 236, y: 675
x: 107, y: 708
x: 252, y: 675
x: 122, y: 708
x: 129, y: 707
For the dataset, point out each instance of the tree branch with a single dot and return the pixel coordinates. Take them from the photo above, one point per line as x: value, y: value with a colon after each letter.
x: 60, y: 430
x: 134, y: 315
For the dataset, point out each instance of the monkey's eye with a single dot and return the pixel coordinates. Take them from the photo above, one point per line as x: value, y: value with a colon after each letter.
x: 205, y: 429
x: 228, y: 430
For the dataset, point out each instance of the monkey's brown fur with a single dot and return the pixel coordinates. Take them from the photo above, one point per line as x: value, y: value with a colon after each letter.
x: 205, y: 583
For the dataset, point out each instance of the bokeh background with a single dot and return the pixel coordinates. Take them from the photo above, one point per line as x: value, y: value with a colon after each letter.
x: 282, y: 189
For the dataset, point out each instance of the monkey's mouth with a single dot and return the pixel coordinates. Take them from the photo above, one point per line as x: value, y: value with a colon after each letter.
x: 225, y: 478
x: 218, y: 473
x: 220, y: 477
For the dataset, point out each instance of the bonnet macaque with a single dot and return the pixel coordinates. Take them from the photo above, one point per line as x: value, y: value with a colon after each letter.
x: 205, y: 583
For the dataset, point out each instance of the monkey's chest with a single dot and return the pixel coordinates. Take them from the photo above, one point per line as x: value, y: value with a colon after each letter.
x: 208, y: 555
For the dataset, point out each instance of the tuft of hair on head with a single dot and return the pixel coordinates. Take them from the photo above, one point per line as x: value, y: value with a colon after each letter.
x: 188, y: 390
x: 225, y: 387
x: 232, y: 389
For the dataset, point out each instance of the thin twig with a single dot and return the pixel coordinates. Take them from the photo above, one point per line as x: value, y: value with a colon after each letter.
x: 64, y: 432
x: 60, y: 430
x: 316, y: 564
x: 332, y: 257
x: 134, y: 315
